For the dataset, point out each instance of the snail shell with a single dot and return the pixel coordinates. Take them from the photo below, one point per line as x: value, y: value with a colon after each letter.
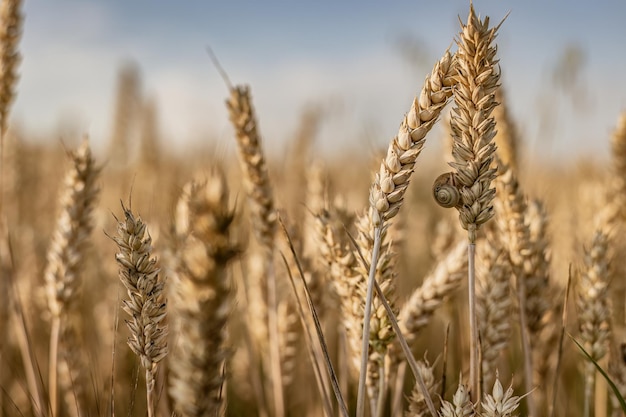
x: 445, y: 191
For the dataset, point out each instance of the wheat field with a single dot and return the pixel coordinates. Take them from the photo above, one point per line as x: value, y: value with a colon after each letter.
x: 210, y: 282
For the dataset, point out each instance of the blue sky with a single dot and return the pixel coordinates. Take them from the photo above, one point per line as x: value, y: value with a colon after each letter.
x: 292, y: 53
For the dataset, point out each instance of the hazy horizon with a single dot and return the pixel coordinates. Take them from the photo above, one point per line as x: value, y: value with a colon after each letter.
x: 560, y: 63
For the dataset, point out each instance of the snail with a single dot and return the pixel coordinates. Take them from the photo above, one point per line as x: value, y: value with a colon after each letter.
x: 445, y: 191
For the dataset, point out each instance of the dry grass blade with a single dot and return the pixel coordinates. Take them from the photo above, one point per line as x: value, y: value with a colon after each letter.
x: 401, y: 339
x: 318, y: 328
x: 328, y: 409
x: 560, y: 346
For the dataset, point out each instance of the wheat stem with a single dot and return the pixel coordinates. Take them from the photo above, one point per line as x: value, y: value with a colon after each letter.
x: 360, y: 410
x: 475, y: 366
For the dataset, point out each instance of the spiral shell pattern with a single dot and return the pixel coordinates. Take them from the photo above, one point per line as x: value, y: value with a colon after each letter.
x: 445, y: 191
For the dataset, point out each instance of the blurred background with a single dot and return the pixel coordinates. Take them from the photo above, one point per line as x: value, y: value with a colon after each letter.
x: 562, y: 65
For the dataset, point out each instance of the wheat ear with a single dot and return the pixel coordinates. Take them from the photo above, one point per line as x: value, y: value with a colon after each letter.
x: 593, y: 308
x: 506, y: 139
x: 390, y: 184
x: 461, y: 405
x: 617, y: 370
x: 63, y: 277
x: 494, y: 304
x: 146, y: 303
x: 263, y: 216
x: 473, y: 130
x: 201, y: 296
x: 10, y: 32
x: 417, y: 403
x: 439, y: 284
x: 512, y: 205
x: 11, y: 20
x: 618, y: 186
x: 500, y: 403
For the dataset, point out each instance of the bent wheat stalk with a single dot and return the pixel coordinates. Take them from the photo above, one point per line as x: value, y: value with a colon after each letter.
x: 390, y: 184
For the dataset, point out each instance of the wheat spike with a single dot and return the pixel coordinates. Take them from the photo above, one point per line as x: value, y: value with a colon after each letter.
x: 494, y: 307
x: 506, y: 139
x: 392, y: 180
x: 201, y: 301
x: 253, y: 165
x: 63, y: 277
x: 461, y: 405
x: 593, y: 307
x: 500, y: 403
x: 11, y: 19
x: 439, y: 284
x: 146, y: 303
x: 473, y: 128
x: 263, y: 217
x: 417, y: 403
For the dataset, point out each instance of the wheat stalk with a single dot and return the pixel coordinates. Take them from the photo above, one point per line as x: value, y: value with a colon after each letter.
x: 146, y: 303
x: 390, y: 184
x: 126, y: 110
x: 263, y: 216
x: 63, y: 277
x: 473, y: 130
